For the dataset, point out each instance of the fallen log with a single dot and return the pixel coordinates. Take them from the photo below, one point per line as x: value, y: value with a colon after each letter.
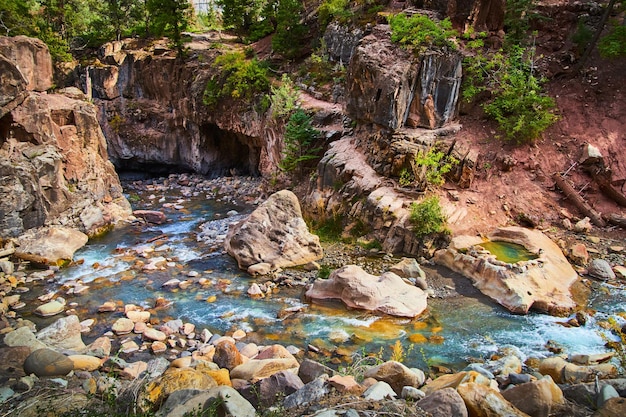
x: 617, y: 220
x: 578, y: 201
x: 602, y: 177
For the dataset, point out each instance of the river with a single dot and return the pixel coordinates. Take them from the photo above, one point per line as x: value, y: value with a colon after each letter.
x: 455, y: 330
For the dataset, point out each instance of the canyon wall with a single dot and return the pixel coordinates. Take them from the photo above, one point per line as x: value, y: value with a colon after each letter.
x: 54, y: 168
x: 151, y: 110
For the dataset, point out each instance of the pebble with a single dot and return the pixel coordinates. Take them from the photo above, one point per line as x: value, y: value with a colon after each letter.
x: 154, y: 334
x: 107, y: 307
x: 123, y: 326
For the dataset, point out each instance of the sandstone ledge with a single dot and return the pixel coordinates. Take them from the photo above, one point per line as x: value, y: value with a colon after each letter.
x: 542, y: 284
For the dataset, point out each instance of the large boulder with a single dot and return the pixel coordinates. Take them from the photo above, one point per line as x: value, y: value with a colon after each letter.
x: 32, y: 57
x: 63, y: 334
x: 51, y: 246
x: 396, y: 375
x: 484, y: 401
x: 275, y: 233
x: 542, y: 284
x: 387, y: 293
x: 536, y: 398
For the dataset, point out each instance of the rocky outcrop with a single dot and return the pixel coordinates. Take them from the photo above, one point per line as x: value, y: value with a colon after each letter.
x: 341, y: 41
x: 391, y: 87
x: 541, y: 284
x: 152, y: 113
x: 274, y: 234
x: 12, y: 86
x: 381, y: 80
x: 53, y: 159
x: 387, y: 294
x: 31, y: 58
x: 348, y: 187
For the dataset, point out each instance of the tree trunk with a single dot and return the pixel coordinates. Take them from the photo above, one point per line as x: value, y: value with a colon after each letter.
x: 617, y: 220
x: 578, y: 201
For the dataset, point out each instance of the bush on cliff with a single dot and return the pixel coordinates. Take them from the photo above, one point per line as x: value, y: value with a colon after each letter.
x: 427, y: 217
x: 237, y: 78
x: 300, y: 138
x: 420, y: 33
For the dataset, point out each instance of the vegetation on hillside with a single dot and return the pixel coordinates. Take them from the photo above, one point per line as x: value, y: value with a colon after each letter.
x: 236, y: 77
x: 427, y: 217
x: 421, y: 33
x: 518, y: 104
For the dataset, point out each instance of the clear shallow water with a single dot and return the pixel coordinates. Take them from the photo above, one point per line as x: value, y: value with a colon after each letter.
x: 453, y: 330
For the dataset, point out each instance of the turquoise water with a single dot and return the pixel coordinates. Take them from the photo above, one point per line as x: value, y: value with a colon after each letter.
x: 508, y: 252
x: 453, y: 331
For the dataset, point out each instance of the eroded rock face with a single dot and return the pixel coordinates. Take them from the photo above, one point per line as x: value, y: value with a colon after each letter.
x: 380, y: 80
x: 32, y: 58
x: 542, y: 284
x: 152, y: 113
x: 356, y: 288
x: 53, y: 159
x: 275, y: 233
x: 12, y: 84
x: 391, y: 87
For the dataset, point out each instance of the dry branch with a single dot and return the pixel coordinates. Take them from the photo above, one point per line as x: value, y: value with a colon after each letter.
x: 578, y: 201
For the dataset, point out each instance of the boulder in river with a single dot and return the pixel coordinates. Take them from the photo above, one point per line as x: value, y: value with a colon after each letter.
x: 387, y: 293
x: 274, y: 233
x: 542, y: 283
x: 51, y: 246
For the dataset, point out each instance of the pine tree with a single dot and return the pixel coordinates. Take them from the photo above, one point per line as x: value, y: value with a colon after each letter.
x: 170, y: 18
x: 289, y: 31
x: 300, y: 136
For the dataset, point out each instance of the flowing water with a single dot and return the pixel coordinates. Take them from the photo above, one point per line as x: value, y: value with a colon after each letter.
x: 453, y: 331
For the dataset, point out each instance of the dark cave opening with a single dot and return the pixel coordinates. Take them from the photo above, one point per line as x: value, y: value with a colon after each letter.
x: 205, y: 149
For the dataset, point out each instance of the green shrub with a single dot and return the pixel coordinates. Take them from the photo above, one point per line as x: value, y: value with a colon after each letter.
x: 289, y: 37
x: 406, y: 177
x: 427, y: 217
x: 334, y: 9
x: 420, y: 33
x: 518, y: 104
x: 284, y: 98
x: 613, y: 45
x: 582, y: 36
x: 434, y: 166
x: 238, y: 78
x: 329, y: 229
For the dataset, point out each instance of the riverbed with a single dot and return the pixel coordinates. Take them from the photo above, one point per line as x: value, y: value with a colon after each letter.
x: 134, y: 264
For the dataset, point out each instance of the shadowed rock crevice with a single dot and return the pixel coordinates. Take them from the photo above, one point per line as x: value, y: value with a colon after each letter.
x: 212, y: 151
